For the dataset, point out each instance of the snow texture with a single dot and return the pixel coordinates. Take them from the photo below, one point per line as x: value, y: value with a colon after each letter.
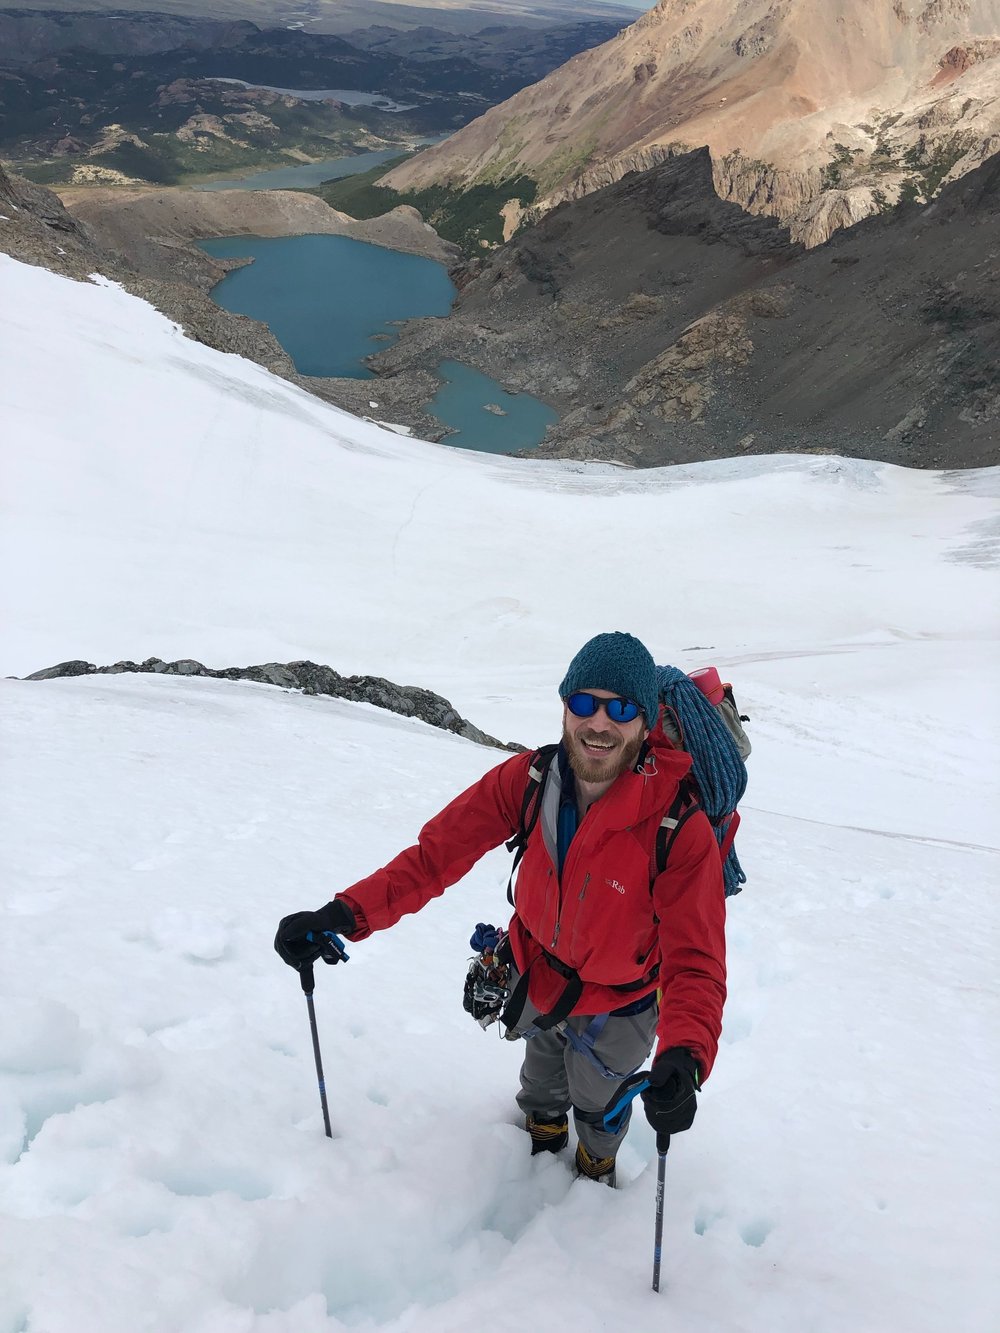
x: 162, y: 1160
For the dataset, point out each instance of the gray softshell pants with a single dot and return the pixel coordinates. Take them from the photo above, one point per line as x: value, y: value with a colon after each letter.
x: 555, y: 1078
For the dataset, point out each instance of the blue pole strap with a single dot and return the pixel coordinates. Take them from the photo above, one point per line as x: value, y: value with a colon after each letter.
x: 332, y: 949
x: 617, y: 1111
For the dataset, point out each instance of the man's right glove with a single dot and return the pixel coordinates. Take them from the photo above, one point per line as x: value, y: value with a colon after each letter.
x: 294, y: 948
x: 670, y: 1101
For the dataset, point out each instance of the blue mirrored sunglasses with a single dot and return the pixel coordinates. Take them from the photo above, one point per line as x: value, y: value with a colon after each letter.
x: 583, y: 704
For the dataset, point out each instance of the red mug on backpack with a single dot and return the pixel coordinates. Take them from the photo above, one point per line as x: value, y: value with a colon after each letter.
x: 709, y: 682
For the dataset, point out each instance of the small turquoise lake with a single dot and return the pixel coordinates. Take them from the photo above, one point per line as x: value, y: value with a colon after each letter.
x: 467, y: 402
x: 331, y: 301
x: 325, y: 298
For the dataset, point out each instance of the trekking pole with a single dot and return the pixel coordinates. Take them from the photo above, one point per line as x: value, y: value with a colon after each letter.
x: 662, y: 1146
x: 308, y: 984
x: 616, y: 1115
x: 333, y: 952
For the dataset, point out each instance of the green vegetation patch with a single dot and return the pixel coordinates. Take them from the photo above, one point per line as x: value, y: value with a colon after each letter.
x: 467, y: 217
x: 506, y: 160
x: 837, y: 172
x: 357, y: 194
x: 568, y: 162
x: 45, y: 173
x: 931, y: 163
x: 154, y: 163
x: 941, y: 159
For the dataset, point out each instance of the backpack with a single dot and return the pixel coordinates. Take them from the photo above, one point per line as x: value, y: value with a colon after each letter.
x: 699, y: 715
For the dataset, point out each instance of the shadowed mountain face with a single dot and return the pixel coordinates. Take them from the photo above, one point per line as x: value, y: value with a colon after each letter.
x: 669, y: 325
x: 819, y: 112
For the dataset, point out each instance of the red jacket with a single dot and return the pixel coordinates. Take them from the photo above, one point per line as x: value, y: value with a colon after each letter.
x: 601, y: 917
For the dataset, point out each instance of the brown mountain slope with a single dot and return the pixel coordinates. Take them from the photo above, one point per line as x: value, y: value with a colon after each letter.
x: 670, y: 326
x: 819, y: 112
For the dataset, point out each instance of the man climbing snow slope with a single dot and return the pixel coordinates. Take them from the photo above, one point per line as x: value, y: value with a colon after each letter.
x: 606, y: 954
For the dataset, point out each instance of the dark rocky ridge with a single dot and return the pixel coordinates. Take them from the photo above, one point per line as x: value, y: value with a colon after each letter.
x: 407, y: 700
x: 669, y: 326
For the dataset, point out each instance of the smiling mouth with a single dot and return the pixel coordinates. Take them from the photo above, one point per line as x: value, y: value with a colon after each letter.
x: 597, y: 747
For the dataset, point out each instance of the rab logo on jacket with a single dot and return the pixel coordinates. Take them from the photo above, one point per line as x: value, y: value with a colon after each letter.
x: 613, y: 883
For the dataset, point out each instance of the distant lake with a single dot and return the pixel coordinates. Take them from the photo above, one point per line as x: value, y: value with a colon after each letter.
x: 331, y: 301
x: 304, y: 176
x: 307, y: 174
x: 349, y: 96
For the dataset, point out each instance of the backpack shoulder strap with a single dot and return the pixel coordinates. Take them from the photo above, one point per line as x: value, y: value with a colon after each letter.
x: 685, y: 804
x: 531, y: 804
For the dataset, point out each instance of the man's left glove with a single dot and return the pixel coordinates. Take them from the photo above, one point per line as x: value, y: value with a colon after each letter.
x: 670, y: 1100
x: 291, y: 942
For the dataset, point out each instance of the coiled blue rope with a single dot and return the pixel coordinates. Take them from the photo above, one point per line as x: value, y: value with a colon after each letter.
x: 716, y: 763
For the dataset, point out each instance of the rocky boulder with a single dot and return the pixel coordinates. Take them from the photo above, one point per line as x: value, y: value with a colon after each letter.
x: 310, y: 678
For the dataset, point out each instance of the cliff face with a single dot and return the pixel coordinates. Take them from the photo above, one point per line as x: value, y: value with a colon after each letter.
x: 668, y: 325
x: 37, y: 229
x: 818, y: 112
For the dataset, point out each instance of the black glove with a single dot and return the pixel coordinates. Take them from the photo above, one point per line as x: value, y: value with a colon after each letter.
x: 670, y: 1101
x: 296, y: 950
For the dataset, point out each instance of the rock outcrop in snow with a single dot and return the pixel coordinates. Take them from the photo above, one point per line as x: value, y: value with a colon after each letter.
x: 311, y: 678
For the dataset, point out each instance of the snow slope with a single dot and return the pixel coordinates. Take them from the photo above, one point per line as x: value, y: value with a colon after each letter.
x: 162, y: 1162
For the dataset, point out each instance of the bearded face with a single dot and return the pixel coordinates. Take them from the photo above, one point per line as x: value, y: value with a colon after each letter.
x: 598, y: 749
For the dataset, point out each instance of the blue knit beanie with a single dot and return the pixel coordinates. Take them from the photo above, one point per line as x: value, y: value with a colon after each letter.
x: 616, y: 662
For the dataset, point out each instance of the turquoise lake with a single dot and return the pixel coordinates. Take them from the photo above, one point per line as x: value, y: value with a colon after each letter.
x: 465, y: 400
x: 326, y: 297
x: 331, y: 301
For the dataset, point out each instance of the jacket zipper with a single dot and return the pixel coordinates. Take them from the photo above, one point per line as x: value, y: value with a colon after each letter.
x: 559, y: 899
x: 575, y: 844
x: 555, y: 933
x: 560, y: 871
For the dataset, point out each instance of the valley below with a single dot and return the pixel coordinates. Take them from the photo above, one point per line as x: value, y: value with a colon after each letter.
x: 161, y: 99
x: 655, y: 319
x: 662, y: 324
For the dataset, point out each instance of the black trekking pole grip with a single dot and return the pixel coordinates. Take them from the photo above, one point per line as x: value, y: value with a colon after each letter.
x: 308, y: 983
